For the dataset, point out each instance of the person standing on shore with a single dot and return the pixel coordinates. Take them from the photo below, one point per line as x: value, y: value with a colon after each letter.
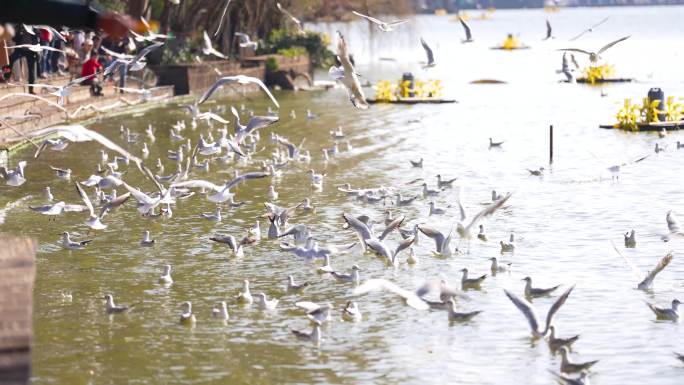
x: 23, y: 37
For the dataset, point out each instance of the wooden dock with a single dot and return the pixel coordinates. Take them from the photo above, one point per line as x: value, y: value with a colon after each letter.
x: 653, y: 126
x: 17, y: 273
x: 412, y: 101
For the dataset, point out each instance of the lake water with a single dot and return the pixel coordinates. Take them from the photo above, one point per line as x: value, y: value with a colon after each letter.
x: 564, y: 223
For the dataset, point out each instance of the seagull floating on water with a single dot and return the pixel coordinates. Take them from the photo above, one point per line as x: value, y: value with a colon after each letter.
x: 147, y: 239
x: 630, y: 239
x: 671, y: 314
x: 568, y: 366
x: 187, y: 317
x: 352, y: 313
x: 534, y: 292
x: 455, y: 316
x: 471, y: 283
x: 67, y: 243
x: 165, y: 278
x: 112, y: 308
x: 245, y: 296
x: 220, y: 311
x: 293, y: 287
x: 555, y: 343
x: 265, y: 304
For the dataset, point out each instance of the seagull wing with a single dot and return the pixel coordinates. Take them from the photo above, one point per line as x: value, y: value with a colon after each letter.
x: 198, y: 183
x: 428, y: 51
x: 575, y: 50
x: 143, y: 52
x: 236, y: 79
x: 114, y: 65
x: 489, y: 210
x: 672, y: 223
x: 84, y: 134
x: 85, y: 199
x: 526, y: 308
x: 247, y: 176
x: 291, y: 16
x: 308, y: 306
x: 590, y: 29
x: 53, y: 104
x: 40, y: 149
x: 466, y: 28
x: 207, y: 41
x: 384, y: 285
x: 556, y: 306
x: 371, y: 19
x: 55, y: 33
x: 361, y: 229
x: 437, y: 236
x: 111, y: 205
x: 138, y: 195
x: 391, y: 227
x: 461, y: 209
x: 257, y: 122
x: 223, y: 16
x: 659, y: 267
x: 638, y: 274
x: 213, y: 116
x: 548, y: 30
x: 605, y: 47
x: 403, y: 245
x: 58, y: 169
x: 398, y: 22
x: 351, y: 78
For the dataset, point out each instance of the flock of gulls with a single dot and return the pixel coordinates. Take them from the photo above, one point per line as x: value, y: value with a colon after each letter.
x: 391, y: 238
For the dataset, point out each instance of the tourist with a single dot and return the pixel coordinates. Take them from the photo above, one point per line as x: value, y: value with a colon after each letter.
x: 84, y: 51
x: 6, y: 34
x: 45, y: 62
x: 90, y: 68
x: 23, y: 37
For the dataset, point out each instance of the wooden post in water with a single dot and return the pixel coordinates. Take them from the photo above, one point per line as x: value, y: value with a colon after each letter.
x: 17, y: 272
x: 551, y: 144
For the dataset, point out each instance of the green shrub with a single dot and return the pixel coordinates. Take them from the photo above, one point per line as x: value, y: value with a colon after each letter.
x: 313, y: 42
x: 271, y: 64
x: 292, y: 52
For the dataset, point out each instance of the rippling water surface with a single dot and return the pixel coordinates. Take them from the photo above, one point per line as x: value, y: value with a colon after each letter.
x: 564, y: 222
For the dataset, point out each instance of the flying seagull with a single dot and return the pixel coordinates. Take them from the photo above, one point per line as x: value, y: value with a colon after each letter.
x: 466, y: 28
x: 208, y: 49
x: 590, y: 29
x: 428, y: 52
x: 595, y: 56
x: 383, y: 26
x: 240, y: 79
x: 549, y: 31
x: 532, y: 318
x: 223, y: 16
x: 36, y: 47
x: 646, y: 282
x: 346, y: 74
x: 296, y: 21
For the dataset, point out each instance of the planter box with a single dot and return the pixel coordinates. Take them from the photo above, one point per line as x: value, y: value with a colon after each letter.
x: 196, y: 78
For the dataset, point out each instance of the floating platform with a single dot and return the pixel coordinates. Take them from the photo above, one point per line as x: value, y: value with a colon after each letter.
x: 412, y: 101
x: 487, y: 81
x: 602, y: 81
x: 511, y: 49
x: 656, y: 126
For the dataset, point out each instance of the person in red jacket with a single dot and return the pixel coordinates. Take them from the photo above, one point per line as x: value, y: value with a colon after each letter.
x: 90, y: 68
